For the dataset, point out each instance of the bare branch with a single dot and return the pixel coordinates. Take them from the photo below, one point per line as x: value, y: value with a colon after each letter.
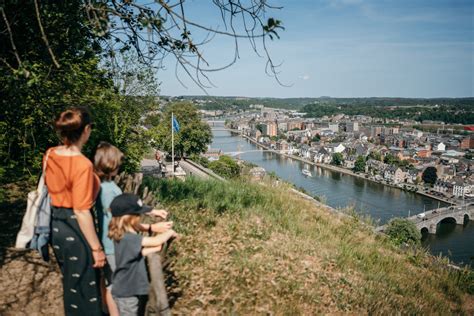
x: 43, y: 35
x: 15, y: 52
x: 158, y: 29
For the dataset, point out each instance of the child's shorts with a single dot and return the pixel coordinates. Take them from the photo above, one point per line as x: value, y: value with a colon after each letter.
x: 131, y: 306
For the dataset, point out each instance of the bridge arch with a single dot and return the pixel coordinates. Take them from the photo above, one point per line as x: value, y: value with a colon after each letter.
x: 424, y: 231
x: 449, y: 219
x: 466, y: 219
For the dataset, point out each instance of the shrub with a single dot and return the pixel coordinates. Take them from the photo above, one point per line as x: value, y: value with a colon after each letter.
x: 211, y: 195
x: 401, y: 231
x: 225, y: 167
x: 429, y: 175
x: 203, y: 161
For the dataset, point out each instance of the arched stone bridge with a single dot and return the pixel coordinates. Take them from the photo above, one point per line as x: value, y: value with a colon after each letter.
x: 236, y: 153
x: 429, y: 220
x: 220, y: 129
x: 456, y: 214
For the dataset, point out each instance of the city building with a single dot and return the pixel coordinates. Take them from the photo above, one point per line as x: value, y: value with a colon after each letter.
x: 461, y: 188
x: 375, y: 131
x: 352, y: 127
x: 439, y: 147
x: 269, y: 129
x: 334, y: 127
x: 282, y: 126
x: 394, y: 174
x: 213, y: 154
x: 294, y: 124
x: 467, y: 143
x: 282, y: 145
x: 423, y: 153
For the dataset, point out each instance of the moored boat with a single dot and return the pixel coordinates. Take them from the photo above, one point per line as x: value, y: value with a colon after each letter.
x: 306, y: 172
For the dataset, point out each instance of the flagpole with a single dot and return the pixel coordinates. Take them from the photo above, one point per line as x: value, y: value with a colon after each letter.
x: 172, y: 144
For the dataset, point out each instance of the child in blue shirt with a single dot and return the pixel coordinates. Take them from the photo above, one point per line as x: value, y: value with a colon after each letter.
x: 107, y: 161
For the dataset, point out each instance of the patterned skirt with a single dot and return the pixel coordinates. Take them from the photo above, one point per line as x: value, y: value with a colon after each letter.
x: 81, y: 282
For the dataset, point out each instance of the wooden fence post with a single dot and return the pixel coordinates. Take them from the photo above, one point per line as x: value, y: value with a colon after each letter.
x: 158, y: 298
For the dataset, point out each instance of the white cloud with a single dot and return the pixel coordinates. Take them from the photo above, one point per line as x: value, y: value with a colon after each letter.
x: 304, y: 77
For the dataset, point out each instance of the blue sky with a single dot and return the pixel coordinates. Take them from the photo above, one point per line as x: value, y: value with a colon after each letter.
x: 346, y: 48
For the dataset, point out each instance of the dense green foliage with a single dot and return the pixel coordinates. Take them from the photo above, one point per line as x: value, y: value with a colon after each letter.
x: 391, y: 159
x: 375, y: 155
x: 430, y: 175
x: 359, y: 165
x: 34, y: 91
x: 337, y: 159
x: 194, y: 134
x: 225, y: 166
x: 403, y: 231
x: 259, y: 127
x: 239, y: 103
x: 203, y: 161
x: 207, y: 194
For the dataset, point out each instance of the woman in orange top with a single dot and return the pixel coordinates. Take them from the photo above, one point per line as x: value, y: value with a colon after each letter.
x: 73, y: 187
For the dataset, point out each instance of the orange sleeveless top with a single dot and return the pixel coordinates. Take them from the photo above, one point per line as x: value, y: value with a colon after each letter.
x: 71, y: 181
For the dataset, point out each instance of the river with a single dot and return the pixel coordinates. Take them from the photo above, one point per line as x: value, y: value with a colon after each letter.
x: 339, y: 190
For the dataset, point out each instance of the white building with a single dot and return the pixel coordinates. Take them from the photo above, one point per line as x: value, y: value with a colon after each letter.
x: 339, y: 148
x: 394, y: 174
x: 352, y: 127
x: 334, y: 127
x: 461, y: 188
x: 439, y: 147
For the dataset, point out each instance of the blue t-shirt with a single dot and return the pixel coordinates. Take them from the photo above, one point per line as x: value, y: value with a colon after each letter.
x: 108, y: 191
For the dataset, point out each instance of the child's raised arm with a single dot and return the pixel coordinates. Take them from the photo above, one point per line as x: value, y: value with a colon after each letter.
x: 160, y: 227
x: 158, y: 240
x: 149, y: 250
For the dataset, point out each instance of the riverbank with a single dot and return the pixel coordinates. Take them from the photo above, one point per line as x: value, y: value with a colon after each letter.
x: 341, y: 170
x: 368, y: 199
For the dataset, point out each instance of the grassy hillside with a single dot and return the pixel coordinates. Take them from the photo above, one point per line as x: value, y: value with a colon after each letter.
x: 259, y: 248
x: 252, y: 248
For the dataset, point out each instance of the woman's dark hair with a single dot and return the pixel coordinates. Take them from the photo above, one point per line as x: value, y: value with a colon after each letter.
x: 71, y: 123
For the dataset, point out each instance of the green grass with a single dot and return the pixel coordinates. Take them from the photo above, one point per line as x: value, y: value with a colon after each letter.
x: 258, y: 248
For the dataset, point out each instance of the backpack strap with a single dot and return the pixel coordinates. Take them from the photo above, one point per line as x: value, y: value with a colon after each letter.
x: 45, y: 162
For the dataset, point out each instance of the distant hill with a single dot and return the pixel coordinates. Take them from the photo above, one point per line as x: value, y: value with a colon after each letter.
x: 448, y: 110
x: 297, y: 103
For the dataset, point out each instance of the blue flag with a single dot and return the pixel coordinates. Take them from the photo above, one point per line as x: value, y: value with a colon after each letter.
x: 175, y: 124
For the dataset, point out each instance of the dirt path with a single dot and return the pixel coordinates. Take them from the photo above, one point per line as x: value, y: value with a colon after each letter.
x: 29, y: 286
